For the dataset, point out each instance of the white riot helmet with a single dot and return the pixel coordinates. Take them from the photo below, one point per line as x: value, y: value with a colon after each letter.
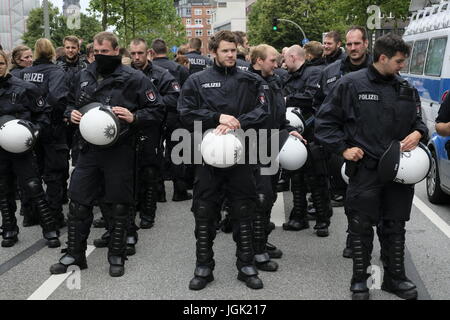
x: 414, y: 165
x: 295, y: 119
x: 344, y: 176
x: 221, y: 151
x: 99, y: 125
x: 16, y: 136
x: 406, y: 167
x: 293, y: 154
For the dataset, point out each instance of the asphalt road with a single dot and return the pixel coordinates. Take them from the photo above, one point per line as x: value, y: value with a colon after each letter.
x: 311, y: 267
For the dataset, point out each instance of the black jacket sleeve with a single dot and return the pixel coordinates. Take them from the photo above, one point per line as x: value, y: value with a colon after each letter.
x: 151, y: 108
x: 305, y: 96
x: 170, y: 92
x: 255, y: 118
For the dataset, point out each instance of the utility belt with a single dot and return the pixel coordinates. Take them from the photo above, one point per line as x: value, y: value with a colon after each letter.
x: 352, y: 167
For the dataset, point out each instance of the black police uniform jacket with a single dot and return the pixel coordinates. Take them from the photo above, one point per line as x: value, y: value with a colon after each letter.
x: 219, y: 90
x: 301, y: 86
x: 168, y: 87
x: 242, y: 64
x: 51, y: 79
x: 71, y: 68
x: 15, y: 71
x: 197, y: 62
x: 179, y: 72
x: 124, y: 87
x: 368, y: 111
x: 332, y: 73
x: 22, y: 100
x: 339, y: 54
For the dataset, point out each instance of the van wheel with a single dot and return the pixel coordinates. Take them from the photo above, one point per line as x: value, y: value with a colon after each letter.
x: 434, y: 191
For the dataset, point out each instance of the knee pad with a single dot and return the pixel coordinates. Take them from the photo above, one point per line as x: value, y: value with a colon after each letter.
x: 319, y: 159
x: 243, y: 210
x: 205, y: 211
x: 34, y: 188
x: 360, y: 224
x: 80, y: 211
x: 263, y: 203
x: 120, y: 210
x: 389, y: 227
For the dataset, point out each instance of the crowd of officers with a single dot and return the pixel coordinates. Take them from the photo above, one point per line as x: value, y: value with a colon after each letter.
x: 352, y: 119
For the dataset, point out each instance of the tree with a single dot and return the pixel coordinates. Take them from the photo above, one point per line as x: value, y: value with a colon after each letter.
x: 146, y: 19
x: 58, y: 27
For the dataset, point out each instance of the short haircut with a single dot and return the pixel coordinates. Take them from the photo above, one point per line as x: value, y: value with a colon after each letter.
x: 17, y: 53
x: 314, y: 48
x: 181, y: 59
x: 138, y: 41
x: 195, y: 43
x: 159, y: 46
x: 73, y: 39
x: 296, y: 50
x: 335, y: 35
x: 240, y: 35
x: 389, y: 45
x: 124, y: 52
x: 223, y: 35
x: 361, y: 29
x: 43, y: 49
x: 261, y: 51
x: 183, y: 49
x: 109, y: 36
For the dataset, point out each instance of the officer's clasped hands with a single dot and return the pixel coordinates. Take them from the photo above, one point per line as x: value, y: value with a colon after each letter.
x: 123, y: 113
x: 353, y: 154
x: 229, y: 121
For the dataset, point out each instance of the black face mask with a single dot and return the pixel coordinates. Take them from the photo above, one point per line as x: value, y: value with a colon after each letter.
x: 107, y: 64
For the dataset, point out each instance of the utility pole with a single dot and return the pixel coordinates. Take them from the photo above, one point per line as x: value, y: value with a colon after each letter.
x: 290, y: 21
x: 46, y: 20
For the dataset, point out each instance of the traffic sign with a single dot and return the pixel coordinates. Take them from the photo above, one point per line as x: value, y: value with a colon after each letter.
x: 305, y: 41
x: 174, y: 49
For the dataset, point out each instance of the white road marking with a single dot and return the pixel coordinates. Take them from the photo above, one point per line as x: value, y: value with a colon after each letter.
x: 432, y: 216
x: 52, y: 283
x: 278, y: 215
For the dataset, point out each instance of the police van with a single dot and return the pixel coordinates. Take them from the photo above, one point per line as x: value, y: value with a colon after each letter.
x: 428, y: 69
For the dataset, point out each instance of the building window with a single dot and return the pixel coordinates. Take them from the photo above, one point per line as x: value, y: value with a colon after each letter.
x: 418, y: 57
x: 208, y: 21
x: 208, y: 11
x: 209, y: 33
x: 435, y: 57
x: 198, y: 33
x: 198, y: 12
x: 198, y: 21
x: 189, y: 33
x: 188, y: 11
x: 188, y: 21
x: 222, y: 4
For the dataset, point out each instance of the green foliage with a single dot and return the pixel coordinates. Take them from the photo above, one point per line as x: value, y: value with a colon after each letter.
x: 148, y: 19
x: 58, y: 27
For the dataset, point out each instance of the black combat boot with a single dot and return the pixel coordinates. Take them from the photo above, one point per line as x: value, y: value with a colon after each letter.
x: 117, y: 245
x: 394, y: 279
x: 320, y: 195
x: 347, y: 253
x: 161, y: 191
x: 132, y: 235
x: 48, y: 223
x: 283, y: 183
x: 78, y: 228
x: 103, y: 241
x: 361, y: 243
x: 297, y: 218
x: 205, y: 233
x: 9, y: 224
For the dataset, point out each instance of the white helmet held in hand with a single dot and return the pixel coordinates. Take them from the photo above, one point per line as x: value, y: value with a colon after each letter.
x: 16, y: 136
x: 293, y: 154
x: 344, y: 176
x: 414, y: 165
x: 221, y: 151
x: 295, y: 119
x: 99, y: 125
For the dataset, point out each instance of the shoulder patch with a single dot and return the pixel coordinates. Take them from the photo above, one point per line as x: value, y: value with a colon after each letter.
x: 368, y: 96
x: 150, y: 94
x: 175, y: 86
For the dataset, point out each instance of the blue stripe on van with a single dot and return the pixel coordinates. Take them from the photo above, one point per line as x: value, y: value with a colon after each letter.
x: 429, y: 88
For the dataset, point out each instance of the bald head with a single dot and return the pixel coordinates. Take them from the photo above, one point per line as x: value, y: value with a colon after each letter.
x: 294, y: 58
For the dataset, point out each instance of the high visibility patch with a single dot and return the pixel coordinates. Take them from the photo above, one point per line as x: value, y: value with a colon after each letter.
x: 151, y: 96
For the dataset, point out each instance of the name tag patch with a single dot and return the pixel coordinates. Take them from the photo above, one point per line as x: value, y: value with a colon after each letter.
x: 331, y: 80
x: 212, y: 85
x: 34, y: 77
x: 368, y: 97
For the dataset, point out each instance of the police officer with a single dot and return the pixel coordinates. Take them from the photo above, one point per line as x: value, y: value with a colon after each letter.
x: 443, y: 118
x: 357, y: 58
x: 71, y: 61
x: 51, y: 148
x: 332, y: 47
x: 135, y: 102
x: 159, y: 54
x: 264, y: 61
x: 21, y: 57
x: 363, y: 114
x: 225, y: 98
x: 22, y: 100
x: 305, y: 66
x: 197, y: 62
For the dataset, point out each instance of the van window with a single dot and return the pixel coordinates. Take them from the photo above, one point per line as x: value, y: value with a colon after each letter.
x: 435, y: 57
x: 418, y: 57
x: 406, y: 67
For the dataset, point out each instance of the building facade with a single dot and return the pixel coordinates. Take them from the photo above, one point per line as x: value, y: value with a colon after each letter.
x: 230, y: 15
x: 13, y: 16
x: 197, y: 19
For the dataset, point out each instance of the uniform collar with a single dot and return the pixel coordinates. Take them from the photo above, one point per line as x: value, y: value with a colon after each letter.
x: 375, y: 76
x: 224, y: 70
x: 160, y: 58
x: 41, y: 61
